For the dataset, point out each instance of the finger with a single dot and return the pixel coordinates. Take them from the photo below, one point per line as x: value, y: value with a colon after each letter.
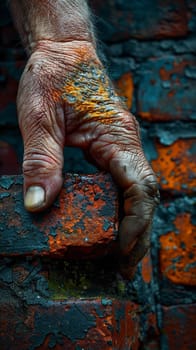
x: 136, y: 219
x: 130, y: 229
x: 42, y: 129
x: 129, y: 263
x: 139, y: 205
x: 117, y: 148
x: 135, y: 175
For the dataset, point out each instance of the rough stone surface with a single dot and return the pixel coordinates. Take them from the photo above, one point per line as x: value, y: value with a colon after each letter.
x: 120, y: 20
x: 83, y: 220
x: 177, y: 241
x: 175, y: 166
x: 167, y: 89
x: 73, y: 305
x: 179, y: 327
x: 74, y: 324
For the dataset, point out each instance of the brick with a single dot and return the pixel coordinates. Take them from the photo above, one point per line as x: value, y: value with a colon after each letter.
x: 144, y: 279
x: 83, y: 220
x: 191, y: 16
x: 47, y: 302
x: 120, y: 20
x: 124, y: 86
x: 150, y: 340
x: 75, y: 324
x: 142, y: 289
x: 175, y: 166
x: 52, y: 302
x: 39, y: 313
x: 167, y: 89
x: 177, y: 241
x: 178, y: 327
x: 142, y: 50
x: 150, y: 334
x: 178, y: 251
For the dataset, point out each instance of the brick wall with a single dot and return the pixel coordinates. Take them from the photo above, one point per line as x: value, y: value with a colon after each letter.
x: 149, y: 49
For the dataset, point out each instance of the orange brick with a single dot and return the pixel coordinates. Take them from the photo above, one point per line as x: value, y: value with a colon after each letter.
x: 175, y: 166
x: 178, y: 327
x: 178, y: 252
x: 83, y: 221
x: 166, y: 89
x: 125, y: 88
x: 98, y: 324
x: 122, y: 20
x: 146, y: 269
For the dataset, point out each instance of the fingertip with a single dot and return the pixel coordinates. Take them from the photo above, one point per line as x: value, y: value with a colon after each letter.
x: 34, y: 198
x: 130, y: 229
x: 128, y: 263
x: 40, y: 193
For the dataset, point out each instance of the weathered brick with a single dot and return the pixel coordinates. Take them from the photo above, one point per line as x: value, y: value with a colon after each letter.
x: 178, y: 251
x: 52, y: 302
x: 144, y: 295
x: 125, y: 87
x: 177, y: 241
x: 142, y: 50
x: 83, y: 221
x: 75, y: 324
x: 167, y: 89
x: 175, y: 166
x: 120, y: 20
x: 178, y: 328
x: 191, y: 16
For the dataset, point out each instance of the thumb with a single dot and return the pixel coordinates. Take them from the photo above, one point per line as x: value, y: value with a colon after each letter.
x: 42, y: 128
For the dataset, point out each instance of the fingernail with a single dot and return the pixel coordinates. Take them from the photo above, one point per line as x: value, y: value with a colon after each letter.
x: 34, y: 197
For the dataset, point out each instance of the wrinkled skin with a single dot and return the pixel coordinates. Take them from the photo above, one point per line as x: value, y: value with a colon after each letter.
x: 65, y: 98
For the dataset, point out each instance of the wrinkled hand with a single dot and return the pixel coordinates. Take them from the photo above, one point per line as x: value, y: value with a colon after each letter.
x: 66, y: 98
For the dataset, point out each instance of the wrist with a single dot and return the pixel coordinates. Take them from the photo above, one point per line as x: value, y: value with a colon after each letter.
x: 66, y: 52
x: 46, y: 20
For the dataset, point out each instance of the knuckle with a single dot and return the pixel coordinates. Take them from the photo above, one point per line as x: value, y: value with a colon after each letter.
x: 151, y: 188
x: 39, y: 164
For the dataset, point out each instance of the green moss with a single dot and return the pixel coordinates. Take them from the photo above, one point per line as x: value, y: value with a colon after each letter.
x: 71, y: 282
x: 85, y: 279
x: 121, y: 287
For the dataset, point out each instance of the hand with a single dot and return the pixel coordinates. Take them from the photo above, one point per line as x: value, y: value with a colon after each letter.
x: 66, y: 98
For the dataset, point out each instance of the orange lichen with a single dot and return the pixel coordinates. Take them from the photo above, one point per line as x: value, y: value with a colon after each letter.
x: 175, y: 166
x: 101, y: 331
x: 178, y: 68
x: 128, y: 336
x: 155, y: 115
x: 146, y: 115
x: 146, y: 269
x: 125, y: 88
x: 178, y: 252
x: 171, y: 93
x: 77, y: 227
x: 89, y: 91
